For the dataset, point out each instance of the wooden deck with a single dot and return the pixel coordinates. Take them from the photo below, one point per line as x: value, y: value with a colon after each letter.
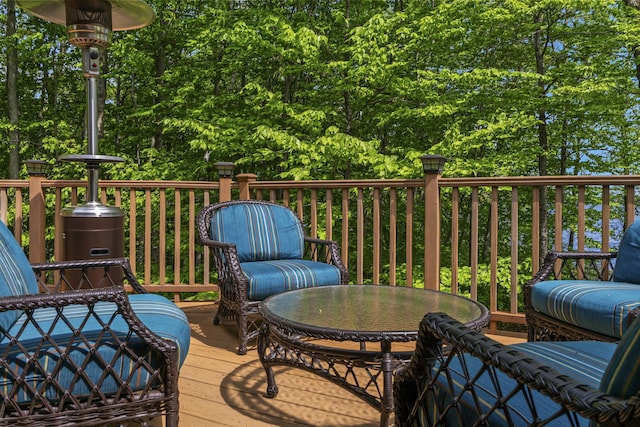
x: 220, y: 388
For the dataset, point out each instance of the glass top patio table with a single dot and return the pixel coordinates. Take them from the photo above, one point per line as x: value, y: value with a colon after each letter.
x: 371, y: 312
x: 357, y: 313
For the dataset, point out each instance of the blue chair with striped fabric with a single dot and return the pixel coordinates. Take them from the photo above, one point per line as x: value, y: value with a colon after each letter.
x: 76, y: 349
x: 586, y: 295
x: 459, y: 377
x: 260, y: 249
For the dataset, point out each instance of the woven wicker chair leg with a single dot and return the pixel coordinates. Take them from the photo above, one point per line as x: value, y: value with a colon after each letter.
x: 242, y: 334
x: 172, y: 419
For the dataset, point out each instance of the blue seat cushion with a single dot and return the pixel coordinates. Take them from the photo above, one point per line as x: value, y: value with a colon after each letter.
x: 594, y: 305
x: 260, y: 232
x: 622, y: 377
x: 71, y: 351
x: 16, y: 275
x: 273, y: 277
x: 584, y: 361
x: 627, y: 267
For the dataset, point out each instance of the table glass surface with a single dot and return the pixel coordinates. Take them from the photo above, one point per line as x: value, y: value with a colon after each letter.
x: 367, y: 308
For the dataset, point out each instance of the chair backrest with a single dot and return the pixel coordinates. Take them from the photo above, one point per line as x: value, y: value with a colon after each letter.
x: 261, y: 231
x: 627, y: 268
x: 16, y: 275
x: 622, y: 376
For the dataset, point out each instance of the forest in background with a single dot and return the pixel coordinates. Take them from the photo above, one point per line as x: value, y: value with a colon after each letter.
x: 335, y: 89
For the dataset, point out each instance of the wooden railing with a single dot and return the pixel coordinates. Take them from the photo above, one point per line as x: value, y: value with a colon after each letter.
x: 492, y: 231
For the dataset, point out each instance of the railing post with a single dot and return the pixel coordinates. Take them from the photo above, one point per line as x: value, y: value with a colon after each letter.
x: 37, y: 173
x: 225, y: 172
x: 432, y: 166
x: 244, y: 183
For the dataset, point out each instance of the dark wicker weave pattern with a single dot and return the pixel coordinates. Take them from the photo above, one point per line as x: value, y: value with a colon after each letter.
x: 234, y: 306
x: 156, y: 357
x: 416, y: 382
x: 574, y: 266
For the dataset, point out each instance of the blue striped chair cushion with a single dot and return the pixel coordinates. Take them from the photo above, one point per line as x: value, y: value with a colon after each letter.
x: 594, y: 305
x: 622, y: 377
x: 16, y: 275
x: 260, y: 232
x: 159, y: 314
x: 273, y: 277
x: 627, y: 268
x: 584, y: 361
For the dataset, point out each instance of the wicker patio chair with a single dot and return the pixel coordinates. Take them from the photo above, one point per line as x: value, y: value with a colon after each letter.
x: 260, y: 249
x: 459, y: 377
x: 76, y: 349
x: 585, y: 295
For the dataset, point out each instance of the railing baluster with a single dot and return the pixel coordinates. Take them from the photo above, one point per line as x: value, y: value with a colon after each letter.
x: 176, y: 237
x: 132, y: 230
x: 360, y: 238
x: 4, y: 205
x: 376, y: 236
x: 162, y: 244
x: 18, y: 222
x: 411, y: 194
x: 147, y: 235
x: 329, y: 214
x: 314, y: 213
x: 474, y: 242
x: 493, y: 291
x: 393, y: 243
x: 515, y: 244
x: 630, y: 205
x: 455, y: 239
x: 345, y: 227
x: 192, y: 235
x: 535, y: 230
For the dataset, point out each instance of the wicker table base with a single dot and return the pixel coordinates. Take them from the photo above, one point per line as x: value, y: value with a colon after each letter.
x: 356, y: 370
x: 302, y: 329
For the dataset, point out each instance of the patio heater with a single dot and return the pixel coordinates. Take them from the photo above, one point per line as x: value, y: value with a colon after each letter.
x: 92, y: 229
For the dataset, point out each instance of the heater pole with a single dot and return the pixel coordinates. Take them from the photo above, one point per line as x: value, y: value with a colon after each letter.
x: 91, y: 64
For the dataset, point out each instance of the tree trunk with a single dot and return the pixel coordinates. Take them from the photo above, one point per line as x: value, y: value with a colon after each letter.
x: 160, y: 66
x: 636, y: 49
x: 12, y: 93
x: 633, y: 3
x: 543, y: 138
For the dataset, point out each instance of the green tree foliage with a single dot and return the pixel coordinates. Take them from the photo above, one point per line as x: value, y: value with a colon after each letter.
x: 329, y: 89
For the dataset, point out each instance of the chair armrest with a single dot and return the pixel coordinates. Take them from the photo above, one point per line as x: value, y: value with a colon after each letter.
x: 441, y: 337
x: 216, y: 244
x: 321, y: 249
x: 576, y: 265
x: 327, y: 251
x: 73, y: 274
x: 230, y: 276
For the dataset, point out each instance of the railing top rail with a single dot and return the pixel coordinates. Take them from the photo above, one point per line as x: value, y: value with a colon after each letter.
x: 354, y: 183
x: 14, y: 183
x: 514, y: 181
x: 506, y: 181
x: 133, y: 184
